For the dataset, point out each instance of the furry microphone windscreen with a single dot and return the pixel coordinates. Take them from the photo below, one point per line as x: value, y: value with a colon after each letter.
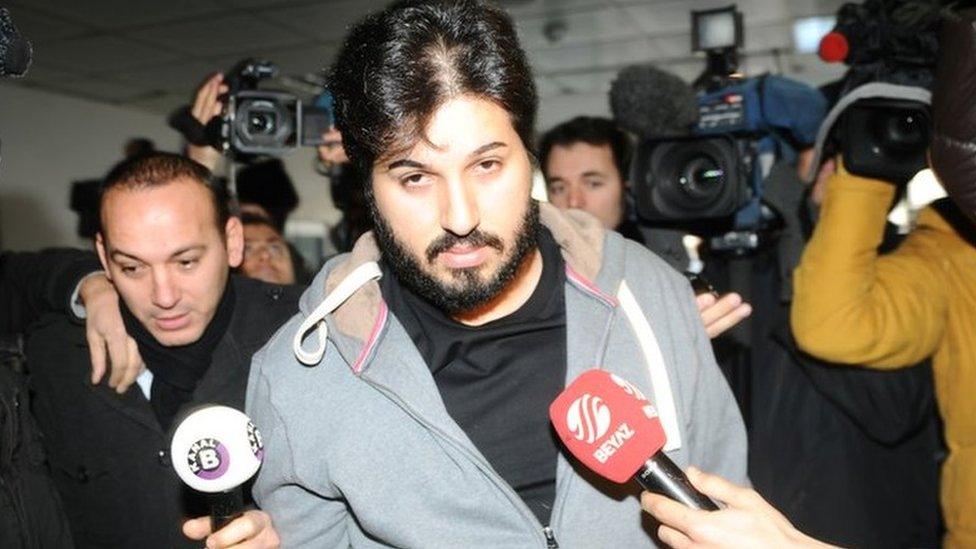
x: 652, y: 102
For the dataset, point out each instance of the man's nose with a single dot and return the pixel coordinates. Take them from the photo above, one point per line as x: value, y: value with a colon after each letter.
x: 165, y: 293
x: 263, y: 253
x: 577, y: 198
x: 459, y: 208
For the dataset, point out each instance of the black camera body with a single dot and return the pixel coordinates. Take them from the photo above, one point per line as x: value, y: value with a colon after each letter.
x: 881, y: 122
x: 265, y: 122
x: 885, y: 138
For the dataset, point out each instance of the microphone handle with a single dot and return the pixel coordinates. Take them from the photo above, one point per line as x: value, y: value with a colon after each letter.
x: 225, y: 507
x: 663, y: 476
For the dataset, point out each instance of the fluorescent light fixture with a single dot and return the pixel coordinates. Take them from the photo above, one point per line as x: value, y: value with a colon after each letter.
x: 808, y: 31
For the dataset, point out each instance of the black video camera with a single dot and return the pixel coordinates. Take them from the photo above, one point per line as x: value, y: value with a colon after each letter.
x: 272, y: 122
x: 711, y: 182
x: 882, y: 123
x: 258, y: 121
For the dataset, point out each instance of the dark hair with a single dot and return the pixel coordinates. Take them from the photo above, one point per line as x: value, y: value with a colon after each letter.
x: 161, y: 168
x: 591, y: 130
x: 399, y: 65
x: 249, y: 218
x: 267, y: 184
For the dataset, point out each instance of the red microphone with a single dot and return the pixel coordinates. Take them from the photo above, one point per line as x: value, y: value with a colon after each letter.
x: 608, y: 424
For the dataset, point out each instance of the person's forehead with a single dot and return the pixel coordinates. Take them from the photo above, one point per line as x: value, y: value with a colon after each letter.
x: 461, y: 126
x: 178, y: 206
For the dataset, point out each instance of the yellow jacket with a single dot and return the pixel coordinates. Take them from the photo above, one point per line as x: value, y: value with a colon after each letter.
x: 852, y: 306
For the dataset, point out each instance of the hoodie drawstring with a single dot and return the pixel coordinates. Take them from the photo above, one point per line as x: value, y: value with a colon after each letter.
x: 363, y: 274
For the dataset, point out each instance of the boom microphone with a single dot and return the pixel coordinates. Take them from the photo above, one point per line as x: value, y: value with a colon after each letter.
x: 215, y: 450
x: 15, y: 50
x: 608, y: 424
x: 652, y: 102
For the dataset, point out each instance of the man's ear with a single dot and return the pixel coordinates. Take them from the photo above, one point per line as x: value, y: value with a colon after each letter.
x: 102, y: 255
x: 234, y: 232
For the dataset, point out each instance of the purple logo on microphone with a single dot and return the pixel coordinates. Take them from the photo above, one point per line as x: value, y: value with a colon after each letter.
x: 208, y: 458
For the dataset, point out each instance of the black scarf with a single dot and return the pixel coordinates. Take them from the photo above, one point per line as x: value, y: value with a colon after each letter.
x: 177, y: 370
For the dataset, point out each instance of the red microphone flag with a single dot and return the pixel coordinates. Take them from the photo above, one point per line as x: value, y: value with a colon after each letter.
x: 608, y: 424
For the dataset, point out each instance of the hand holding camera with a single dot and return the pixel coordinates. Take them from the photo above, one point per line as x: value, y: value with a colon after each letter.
x: 206, y: 106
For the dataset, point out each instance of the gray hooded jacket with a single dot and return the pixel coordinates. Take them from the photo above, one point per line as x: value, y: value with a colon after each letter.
x: 360, y: 450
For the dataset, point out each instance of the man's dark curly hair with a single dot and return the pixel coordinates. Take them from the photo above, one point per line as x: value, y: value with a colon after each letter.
x: 399, y: 65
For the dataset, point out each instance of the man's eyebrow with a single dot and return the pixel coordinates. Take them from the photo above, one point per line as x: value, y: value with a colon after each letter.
x: 487, y: 147
x: 592, y: 173
x: 182, y: 251
x: 405, y: 163
x: 114, y: 254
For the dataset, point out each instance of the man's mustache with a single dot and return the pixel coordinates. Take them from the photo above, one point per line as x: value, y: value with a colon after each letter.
x: 475, y: 239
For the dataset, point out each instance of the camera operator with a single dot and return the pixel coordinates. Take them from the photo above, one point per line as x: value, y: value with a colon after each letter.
x: 584, y: 161
x: 857, y: 306
x: 824, y: 442
x: 854, y: 306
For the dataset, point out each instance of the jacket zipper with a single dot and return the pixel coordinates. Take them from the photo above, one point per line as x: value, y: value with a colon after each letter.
x: 551, y: 542
x: 486, y: 468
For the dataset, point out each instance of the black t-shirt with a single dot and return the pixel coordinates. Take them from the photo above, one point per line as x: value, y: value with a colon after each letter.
x: 498, y: 379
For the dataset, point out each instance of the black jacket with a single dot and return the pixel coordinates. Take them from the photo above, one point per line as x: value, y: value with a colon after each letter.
x: 108, y: 454
x: 850, y: 456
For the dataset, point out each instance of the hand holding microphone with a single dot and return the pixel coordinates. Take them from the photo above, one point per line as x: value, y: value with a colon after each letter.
x: 215, y: 450
x: 608, y: 424
x: 747, y: 521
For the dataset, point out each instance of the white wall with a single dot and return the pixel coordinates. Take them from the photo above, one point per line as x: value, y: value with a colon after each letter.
x: 48, y: 140
x: 560, y: 108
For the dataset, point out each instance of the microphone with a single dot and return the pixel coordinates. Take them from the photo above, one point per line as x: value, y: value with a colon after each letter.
x: 215, y: 450
x: 652, y: 102
x: 15, y: 50
x: 608, y: 425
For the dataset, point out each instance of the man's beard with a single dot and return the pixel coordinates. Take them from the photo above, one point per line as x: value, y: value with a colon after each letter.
x: 469, y: 291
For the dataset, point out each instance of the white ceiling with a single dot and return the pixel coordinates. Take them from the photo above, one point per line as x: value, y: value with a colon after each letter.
x: 150, y: 54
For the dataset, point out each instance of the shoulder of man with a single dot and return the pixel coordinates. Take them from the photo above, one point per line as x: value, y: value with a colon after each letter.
x: 261, y: 308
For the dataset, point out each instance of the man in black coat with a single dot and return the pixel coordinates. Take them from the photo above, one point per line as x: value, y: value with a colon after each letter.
x: 167, y: 245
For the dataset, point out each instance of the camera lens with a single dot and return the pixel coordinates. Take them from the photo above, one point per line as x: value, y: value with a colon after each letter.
x: 905, y: 130
x: 262, y: 123
x: 692, y: 178
x: 701, y: 177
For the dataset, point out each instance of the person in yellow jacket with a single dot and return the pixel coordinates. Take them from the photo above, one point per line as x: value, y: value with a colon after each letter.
x: 854, y: 306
